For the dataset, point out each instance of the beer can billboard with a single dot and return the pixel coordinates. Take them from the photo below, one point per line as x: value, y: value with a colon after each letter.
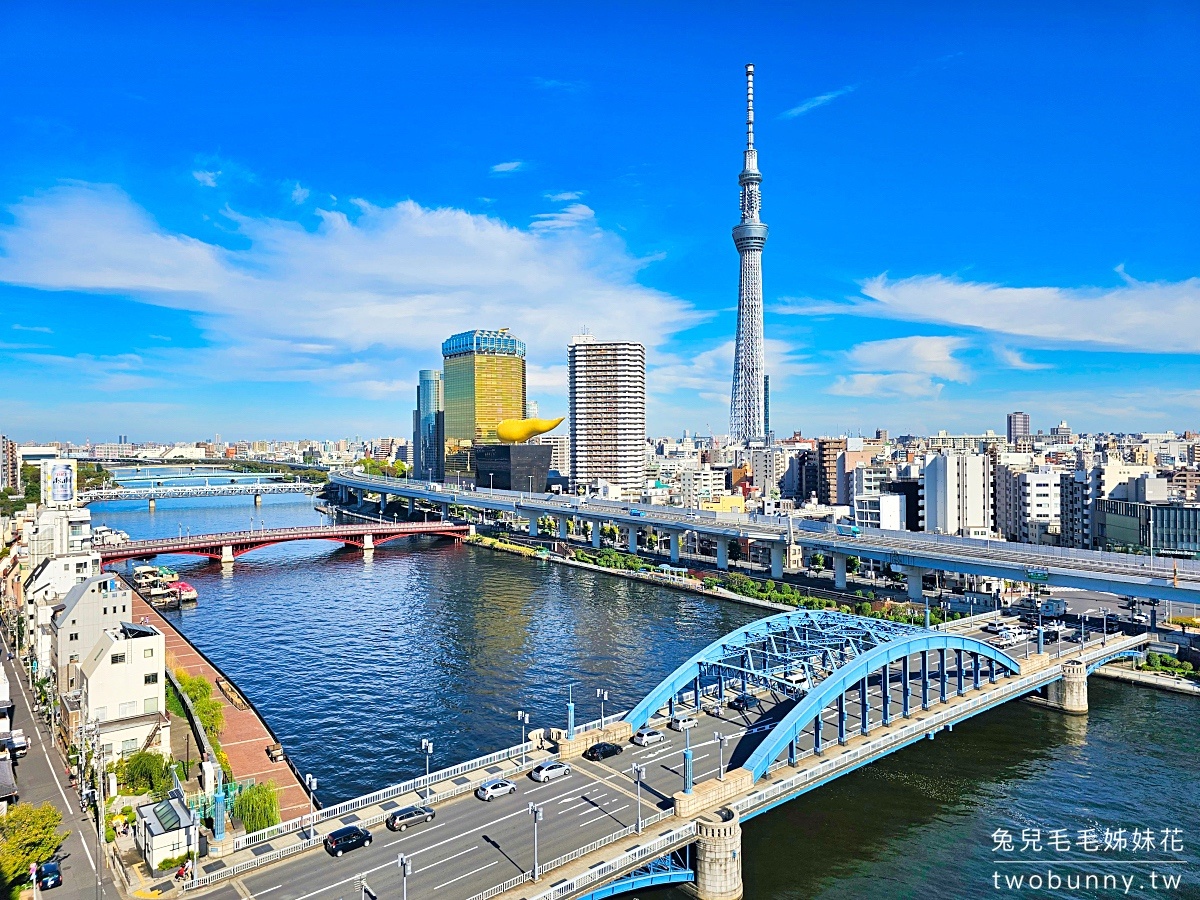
x: 58, y: 482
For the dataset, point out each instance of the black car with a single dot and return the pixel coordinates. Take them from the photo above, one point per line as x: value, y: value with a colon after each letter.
x: 49, y: 875
x: 744, y: 703
x: 602, y: 750
x: 410, y: 815
x: 344, y: 839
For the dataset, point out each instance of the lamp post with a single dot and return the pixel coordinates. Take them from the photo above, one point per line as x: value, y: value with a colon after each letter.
x: 523, y: 718
x: 535, y: 813
x: 310, y: 782
x: 427, y: 747
x: 722, y: 743
x: 404, y: 863
x: 603, y: 696
x: 687, y: 760
x: 639, y: 772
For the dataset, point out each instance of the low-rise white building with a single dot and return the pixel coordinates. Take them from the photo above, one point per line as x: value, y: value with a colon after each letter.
x: 121, y: 691
x: 80, y: 619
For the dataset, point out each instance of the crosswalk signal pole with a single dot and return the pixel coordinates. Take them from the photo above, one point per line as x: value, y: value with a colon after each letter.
x: 536, y: 812
x: 405, y: 865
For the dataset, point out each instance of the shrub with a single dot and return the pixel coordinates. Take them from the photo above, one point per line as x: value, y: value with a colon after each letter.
x: 257, y: 806
x: 146, y: 772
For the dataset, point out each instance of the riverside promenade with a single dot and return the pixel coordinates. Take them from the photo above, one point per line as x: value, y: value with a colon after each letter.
x: 245, y: 737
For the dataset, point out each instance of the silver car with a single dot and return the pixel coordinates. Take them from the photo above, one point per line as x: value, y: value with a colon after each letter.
x: 647, y: 736
x: 493, y: 789
x: 549, y: 771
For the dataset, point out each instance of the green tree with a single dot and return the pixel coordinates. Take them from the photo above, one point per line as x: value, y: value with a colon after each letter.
x: 853, y: 563
x: 735, y: 551
x: 817, y: 560
x: 257, y: 806
x: 146, y: 771
x: 28, y: 835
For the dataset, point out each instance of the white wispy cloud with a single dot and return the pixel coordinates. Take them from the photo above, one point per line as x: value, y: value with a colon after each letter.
x: 346, y: 299
x: 914, y: 366
x: 1137, y: 316
x: 206, y: 178
x: 886, y: 385
x: 1014, y: 359
x: 564, y: 196
x: 505, y: 168
x: 558, y: 84
x: 299, y: 194
x: 814, y: 102
x: 39, y: 328
x: 573, y: 216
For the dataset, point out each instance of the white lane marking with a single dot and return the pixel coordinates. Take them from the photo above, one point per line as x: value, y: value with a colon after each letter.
x: 604, y: 814
x: 266, y: 891
x: 448, y: 858
x: 415, y: 834
x: 50, y: 763
x: 596, y: 806
x: 467, y: 874
x: 387, y: 865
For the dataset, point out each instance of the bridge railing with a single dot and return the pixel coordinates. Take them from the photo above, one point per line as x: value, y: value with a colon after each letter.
x: 560, y: 861
x: 404, y: 787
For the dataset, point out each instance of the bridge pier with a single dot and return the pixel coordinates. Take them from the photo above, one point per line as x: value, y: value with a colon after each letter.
x: 718, y: 857
x: 258, y: 499
x: 914, y: 574
x: 777, y: 560
x: 595, y: 523
x: 226, y: 553
x: 368, y: 542
x: 1070, y: 694
x: 152, y: 504
x: 722, y: 553
x: 839, y: 571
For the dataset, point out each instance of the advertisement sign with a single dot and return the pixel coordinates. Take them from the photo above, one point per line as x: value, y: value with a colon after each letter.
x: 58, y: 482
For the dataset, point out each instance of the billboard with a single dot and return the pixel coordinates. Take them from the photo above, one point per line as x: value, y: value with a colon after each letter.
x: 58, y: 482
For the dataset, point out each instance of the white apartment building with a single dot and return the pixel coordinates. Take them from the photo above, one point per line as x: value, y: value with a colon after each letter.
x: 768, y: 465
x: 879, y: 511
x: 121, y: 690
x: 1082, y: 489
x: 606, y: 386
x: 957, y: 496
x: 701, y: 485
x: 101, y: 602
x: 1027, y: 503
x: 560, y: 451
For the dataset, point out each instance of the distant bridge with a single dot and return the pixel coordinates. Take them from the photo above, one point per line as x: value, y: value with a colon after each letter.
x: 230, y: 545
x: 164, y: 492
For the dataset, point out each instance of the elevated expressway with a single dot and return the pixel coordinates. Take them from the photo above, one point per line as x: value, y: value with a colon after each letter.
x: 915, y: 553
x: 830, y: 693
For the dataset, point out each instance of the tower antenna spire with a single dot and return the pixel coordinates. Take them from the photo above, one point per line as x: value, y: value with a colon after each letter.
x: 750, y: 106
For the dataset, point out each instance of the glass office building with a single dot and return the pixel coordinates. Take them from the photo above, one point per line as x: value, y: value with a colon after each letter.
x: 483, y: 383
x: 429, y: 439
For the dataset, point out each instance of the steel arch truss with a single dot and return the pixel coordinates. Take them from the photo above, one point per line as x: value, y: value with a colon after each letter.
x: 876, y: 663
x: 1132, y: 653
x: 670, y: 869
x: 790, y: 653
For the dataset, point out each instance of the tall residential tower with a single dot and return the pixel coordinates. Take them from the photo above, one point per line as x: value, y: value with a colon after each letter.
x: 747, y: 415
x: 607, y: 396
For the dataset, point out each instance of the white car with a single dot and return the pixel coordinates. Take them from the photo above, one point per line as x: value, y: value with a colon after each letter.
x: 683, y: 722
x: 647, y: 736
x: 493, y: 789
x: 549, y: 771
x: 1004, y: 642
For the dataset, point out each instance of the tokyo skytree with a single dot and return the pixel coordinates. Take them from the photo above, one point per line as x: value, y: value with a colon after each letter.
x: 747, y: 413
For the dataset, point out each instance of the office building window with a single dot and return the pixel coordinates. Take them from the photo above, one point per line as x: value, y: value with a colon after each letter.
x: 152, y: 678
x: 74, y: 636
x: 129, y: 709
x: 129, y: 747
x: 151, y: 705
x: 101, y: 715
x: 118, y: 658
x: 149, y: 652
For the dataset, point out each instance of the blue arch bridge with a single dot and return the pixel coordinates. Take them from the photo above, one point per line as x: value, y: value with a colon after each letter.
x: 765, y: 714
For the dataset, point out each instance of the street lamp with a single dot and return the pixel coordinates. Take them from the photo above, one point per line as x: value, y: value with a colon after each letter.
x: 523, y: 718
x: 405, y: 865
x: 427, y: 747
x: 722, y: 743
x: 310, y: 782
x: 603, y: 696
x: 535, y: 812
x: 687, y: 760
x: 639, y: 772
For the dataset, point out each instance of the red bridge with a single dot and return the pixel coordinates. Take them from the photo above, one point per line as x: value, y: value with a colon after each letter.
x: 227, y: 547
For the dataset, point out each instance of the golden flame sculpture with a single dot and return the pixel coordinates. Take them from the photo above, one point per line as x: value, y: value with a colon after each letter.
x: 518, y: 431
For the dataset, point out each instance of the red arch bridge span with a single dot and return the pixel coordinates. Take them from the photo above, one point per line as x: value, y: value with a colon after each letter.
x: 230, y: 545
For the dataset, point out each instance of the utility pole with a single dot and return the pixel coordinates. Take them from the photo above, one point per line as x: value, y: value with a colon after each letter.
x: 639, y: 772
x: 404, y: 863
x: 535, y: 812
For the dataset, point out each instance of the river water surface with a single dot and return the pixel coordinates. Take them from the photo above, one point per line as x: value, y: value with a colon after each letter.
x: 353, y: 661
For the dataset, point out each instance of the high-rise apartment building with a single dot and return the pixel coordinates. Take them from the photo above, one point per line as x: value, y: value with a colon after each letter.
x: 10, y: 466
x: 1018, y: 426
x: 957, y: 494
x: 560, y: 444
x: 483, y: 383
x: 429, y: 427
x: 1028, y: 503
x: 607, y: 401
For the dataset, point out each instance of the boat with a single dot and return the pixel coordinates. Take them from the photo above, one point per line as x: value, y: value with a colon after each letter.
x: 187, y: 593
x: 168, y: 575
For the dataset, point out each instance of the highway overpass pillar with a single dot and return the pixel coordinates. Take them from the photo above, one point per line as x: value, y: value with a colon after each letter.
x: 445, y: 512
x: 839, y: 571
x: 674, y: 538
x: 777, y: 560
x: 1071, y: 693
x: 722, y: 553
x: 633, y: 539
x: 595, y: 523
x: 533, y: 525
x: 226, y: 553
x: 718, y: 856
x: 563, y: 531
x: 914, y: 574
x: 412, y: 506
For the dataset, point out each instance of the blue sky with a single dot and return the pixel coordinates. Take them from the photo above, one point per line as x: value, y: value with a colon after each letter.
x: 262, y: 219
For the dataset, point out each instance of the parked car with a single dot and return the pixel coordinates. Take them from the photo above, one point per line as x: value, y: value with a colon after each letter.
x: 346, y: 839
x: 549, y: 771
x: 682, y: 722
x: 647, y: 736
x: 410, y: 815
x: 49, y: 875
x: 745, y: 703
x: 602, y: 750
x: 500, y: 787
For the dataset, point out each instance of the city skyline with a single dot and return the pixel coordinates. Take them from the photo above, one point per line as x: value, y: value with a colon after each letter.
x: 953, y: 237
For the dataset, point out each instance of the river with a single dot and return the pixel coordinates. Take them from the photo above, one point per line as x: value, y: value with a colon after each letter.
x: 353, y: 661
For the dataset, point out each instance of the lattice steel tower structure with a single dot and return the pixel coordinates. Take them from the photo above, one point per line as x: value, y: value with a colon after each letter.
x: 747, y: 415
